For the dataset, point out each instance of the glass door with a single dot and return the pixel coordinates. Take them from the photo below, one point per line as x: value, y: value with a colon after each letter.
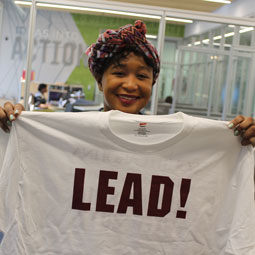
x: 211, y: 83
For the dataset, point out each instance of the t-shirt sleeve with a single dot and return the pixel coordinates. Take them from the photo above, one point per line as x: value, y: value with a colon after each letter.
x: 9, y: 188
x: 242, y: 236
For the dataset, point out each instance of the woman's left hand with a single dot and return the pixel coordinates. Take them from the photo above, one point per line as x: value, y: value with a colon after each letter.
x: 245, y: 128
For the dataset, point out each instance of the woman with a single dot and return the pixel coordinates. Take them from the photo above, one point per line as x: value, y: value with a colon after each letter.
x: 126, y: 66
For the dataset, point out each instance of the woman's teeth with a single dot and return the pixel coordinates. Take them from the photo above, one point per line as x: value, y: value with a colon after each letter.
x: 128, y: 97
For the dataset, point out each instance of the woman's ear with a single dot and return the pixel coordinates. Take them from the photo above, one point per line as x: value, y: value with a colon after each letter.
x: 100, y: 86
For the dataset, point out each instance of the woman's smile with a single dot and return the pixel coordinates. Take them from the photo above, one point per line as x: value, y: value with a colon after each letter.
x: 128, y: 99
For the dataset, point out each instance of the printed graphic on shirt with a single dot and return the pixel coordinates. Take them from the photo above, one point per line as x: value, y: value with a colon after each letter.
x: 132, y: 185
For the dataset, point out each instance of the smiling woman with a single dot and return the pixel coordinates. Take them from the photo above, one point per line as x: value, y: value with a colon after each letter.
x: 125, y: 66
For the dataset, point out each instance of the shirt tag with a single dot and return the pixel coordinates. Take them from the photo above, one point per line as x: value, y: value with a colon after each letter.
x: 142, y: 129
x: 1, y: 236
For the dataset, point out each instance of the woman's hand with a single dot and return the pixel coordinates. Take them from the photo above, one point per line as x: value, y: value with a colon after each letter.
x: 245, y: 127
x: 9, y: 113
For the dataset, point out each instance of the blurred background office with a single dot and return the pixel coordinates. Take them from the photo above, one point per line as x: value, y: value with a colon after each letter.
x: 207, y: 50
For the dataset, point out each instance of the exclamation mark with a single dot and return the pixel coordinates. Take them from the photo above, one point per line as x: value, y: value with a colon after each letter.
x: 184, y: 193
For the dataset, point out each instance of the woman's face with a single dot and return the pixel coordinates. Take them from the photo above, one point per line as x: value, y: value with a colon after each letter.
x: 127, y: 86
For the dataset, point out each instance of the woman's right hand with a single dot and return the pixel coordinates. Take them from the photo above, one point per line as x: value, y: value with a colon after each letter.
x: 9, y: 113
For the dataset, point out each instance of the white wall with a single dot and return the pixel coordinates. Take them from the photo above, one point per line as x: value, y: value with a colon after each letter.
x: 238, y: 8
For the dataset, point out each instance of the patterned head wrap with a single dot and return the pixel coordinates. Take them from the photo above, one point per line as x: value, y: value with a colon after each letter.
x: 115, y: 41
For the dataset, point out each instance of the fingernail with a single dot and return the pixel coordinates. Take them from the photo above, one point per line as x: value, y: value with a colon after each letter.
x: 16, y: 111
x: 230, y: 125
x: 12, y: 117
x: 9, y: 123
x: 236, y: 133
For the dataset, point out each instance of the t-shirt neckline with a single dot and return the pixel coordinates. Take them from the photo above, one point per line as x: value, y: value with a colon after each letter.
x: 187, y: 126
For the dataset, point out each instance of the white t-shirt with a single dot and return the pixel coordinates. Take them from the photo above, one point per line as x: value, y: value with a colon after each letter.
x: 4, y: 138
x: 115, y: 183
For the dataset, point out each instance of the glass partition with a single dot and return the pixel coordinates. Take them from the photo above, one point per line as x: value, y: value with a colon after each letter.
x: 14, y: 23
x: 213, y: 75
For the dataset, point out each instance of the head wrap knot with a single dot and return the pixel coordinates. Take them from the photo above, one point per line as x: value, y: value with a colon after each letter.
x: 115, y: 41
x: 141, y: 27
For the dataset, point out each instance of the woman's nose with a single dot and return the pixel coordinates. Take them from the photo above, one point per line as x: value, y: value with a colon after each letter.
x: 130, y: 83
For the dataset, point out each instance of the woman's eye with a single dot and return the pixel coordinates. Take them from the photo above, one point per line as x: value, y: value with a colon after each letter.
x: 142, y: 76
x: 119, y: 73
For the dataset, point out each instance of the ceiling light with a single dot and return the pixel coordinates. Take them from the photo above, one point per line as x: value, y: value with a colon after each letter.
x: 68, y: 7
x: 229, y: 34
x: 76, y: 8
x: 225, y: 45
x: 243, y: 29
x: 247, y: 29
x: 151, y: 36
x: 23, y: 3
x: 179, y: 20
x: 219, y: 1
x: 218, y: 37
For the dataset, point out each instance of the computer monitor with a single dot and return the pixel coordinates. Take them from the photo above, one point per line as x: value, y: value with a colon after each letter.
x: 55, y: 95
